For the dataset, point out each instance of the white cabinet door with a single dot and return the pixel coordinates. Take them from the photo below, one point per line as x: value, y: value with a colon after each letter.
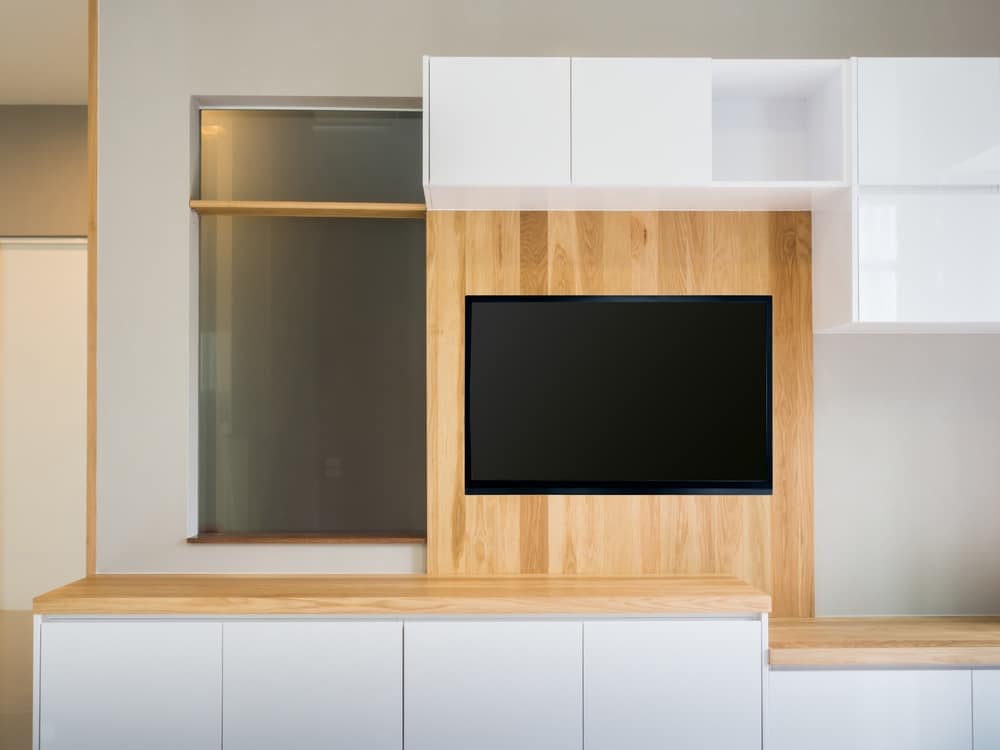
x: 869, y: 710
x: 929, y: 256
x: 498, y: 121
x: 682, y: 684
x: 311, y: 684
x: 642, y: 121
x: 493, y: 685
x: 929, y: 121
x: 119, y: 684
x: 986, y: 708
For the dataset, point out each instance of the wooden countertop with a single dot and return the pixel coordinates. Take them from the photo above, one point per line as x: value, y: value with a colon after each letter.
x: 885, y: 641
x: 399, y: 595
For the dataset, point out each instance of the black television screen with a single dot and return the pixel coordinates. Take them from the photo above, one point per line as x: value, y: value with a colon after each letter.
x: 618, y: 395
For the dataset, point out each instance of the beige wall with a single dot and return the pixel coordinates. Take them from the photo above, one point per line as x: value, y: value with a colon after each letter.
x: 42, y: 417
x: 43, y: 171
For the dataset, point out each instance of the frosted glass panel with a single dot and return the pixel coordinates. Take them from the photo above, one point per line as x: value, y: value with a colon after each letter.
x: 311, y: 393
x: 311, y: 155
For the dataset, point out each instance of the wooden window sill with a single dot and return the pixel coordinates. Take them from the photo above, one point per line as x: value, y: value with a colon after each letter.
x: 311, y: 538
x: 310, y: 209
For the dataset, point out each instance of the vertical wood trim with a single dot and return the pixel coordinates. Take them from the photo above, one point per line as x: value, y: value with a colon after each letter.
x: 92, y: 287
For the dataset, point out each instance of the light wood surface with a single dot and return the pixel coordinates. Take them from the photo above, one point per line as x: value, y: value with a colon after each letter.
x: 310, y: 209
x: 886, y: 641
x: 91, y: 564
x: 309, y: 538
x: 767, y: 541
x: 411, y: 594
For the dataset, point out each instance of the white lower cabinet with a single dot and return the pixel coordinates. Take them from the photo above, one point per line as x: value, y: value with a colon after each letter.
x: 493, y: 685
x: 834, y: 709
x: 678, y: 684
x: 986, y: 708
x: 312, y: 685
x: 155, y: 685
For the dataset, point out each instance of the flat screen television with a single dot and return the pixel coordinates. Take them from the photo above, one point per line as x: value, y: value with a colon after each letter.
x: 618, y: 395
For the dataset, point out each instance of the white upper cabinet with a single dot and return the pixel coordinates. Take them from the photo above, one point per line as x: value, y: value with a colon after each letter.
x: 498, y: 121
x: 642, y: 121
x: 929, y: 121
x: 986, y: 708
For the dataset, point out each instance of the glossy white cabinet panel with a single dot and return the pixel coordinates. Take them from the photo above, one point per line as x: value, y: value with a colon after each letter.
x: 493, y: 685
x: 679, y: 684
x: 498, y: 121
x: 869, y: 710
x: 929, y: 256
x: 313, y: 685
x: 929, y: 121
x: 118, y: 684
x: 642, y: 121
x: 986, y: 708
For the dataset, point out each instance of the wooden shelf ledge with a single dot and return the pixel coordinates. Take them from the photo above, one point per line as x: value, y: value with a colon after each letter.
x: 305, y: 209
x: 309, y: 538
x: 400, y: 595
x: 885, y: 642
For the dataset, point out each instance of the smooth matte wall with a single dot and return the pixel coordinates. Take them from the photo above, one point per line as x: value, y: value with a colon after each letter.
x: 907, y: 499
x: 43, y: 171
x: 155, y: 56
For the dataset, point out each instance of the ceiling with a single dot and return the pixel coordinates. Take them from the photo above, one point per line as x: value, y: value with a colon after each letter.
x: 43, y: 52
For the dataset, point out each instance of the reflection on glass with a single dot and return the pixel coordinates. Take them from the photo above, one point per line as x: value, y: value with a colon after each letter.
x: 311, y: 155
x: 312, y: 376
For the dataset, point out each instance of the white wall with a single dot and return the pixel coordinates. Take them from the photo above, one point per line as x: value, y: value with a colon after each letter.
x: 43, y: 410
x: 907, y: 474
x: 155, y: 56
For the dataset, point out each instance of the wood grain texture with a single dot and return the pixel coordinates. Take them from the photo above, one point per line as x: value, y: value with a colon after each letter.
x: 766, y: 541
x: 307, y: 209
x: 91, y: 480
x: 886, y: 641
x: 391, y: 594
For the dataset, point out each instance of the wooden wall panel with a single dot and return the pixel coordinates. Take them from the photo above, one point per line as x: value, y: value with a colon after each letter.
x: 766, y: 541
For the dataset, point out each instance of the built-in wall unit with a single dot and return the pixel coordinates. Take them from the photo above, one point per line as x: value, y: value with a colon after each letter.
x: 491, y: 412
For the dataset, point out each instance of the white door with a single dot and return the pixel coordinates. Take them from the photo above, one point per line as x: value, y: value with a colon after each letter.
x: 929, y: 256
x: 986, y: 708
x: 929, y: 121
x: 498, y: 121
x: 642, y: 121
x: 120, y: 684
x: 510, y: 685
x: 869, y: 710
x: 313, y: 685
x: 677, y: 684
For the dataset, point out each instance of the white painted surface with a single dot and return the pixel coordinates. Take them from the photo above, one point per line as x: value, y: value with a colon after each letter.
x: 870, y: 710
x: 907, y: 477
x: 43, y: 412
x: 986, y: 708
x: 499, y: 121
x: 114, y: 684
x: 834, y: 276
x: 929, y: 121
x: 780, y: 120
x: 493, y: 685
x: 642, y: 121
x: 929, y: 256
x: 681, y: 684
x: 312, y: 685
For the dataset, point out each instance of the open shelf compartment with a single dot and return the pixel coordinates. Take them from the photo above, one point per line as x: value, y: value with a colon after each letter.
x: 779, y: 121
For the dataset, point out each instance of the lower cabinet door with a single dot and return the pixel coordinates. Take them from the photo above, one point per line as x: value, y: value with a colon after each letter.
x: 509, y: 685
x: 986, y: 708
x: 870, y: 709
x: 308, y: 685
x: 120, y: 684
x: 674, y: 684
